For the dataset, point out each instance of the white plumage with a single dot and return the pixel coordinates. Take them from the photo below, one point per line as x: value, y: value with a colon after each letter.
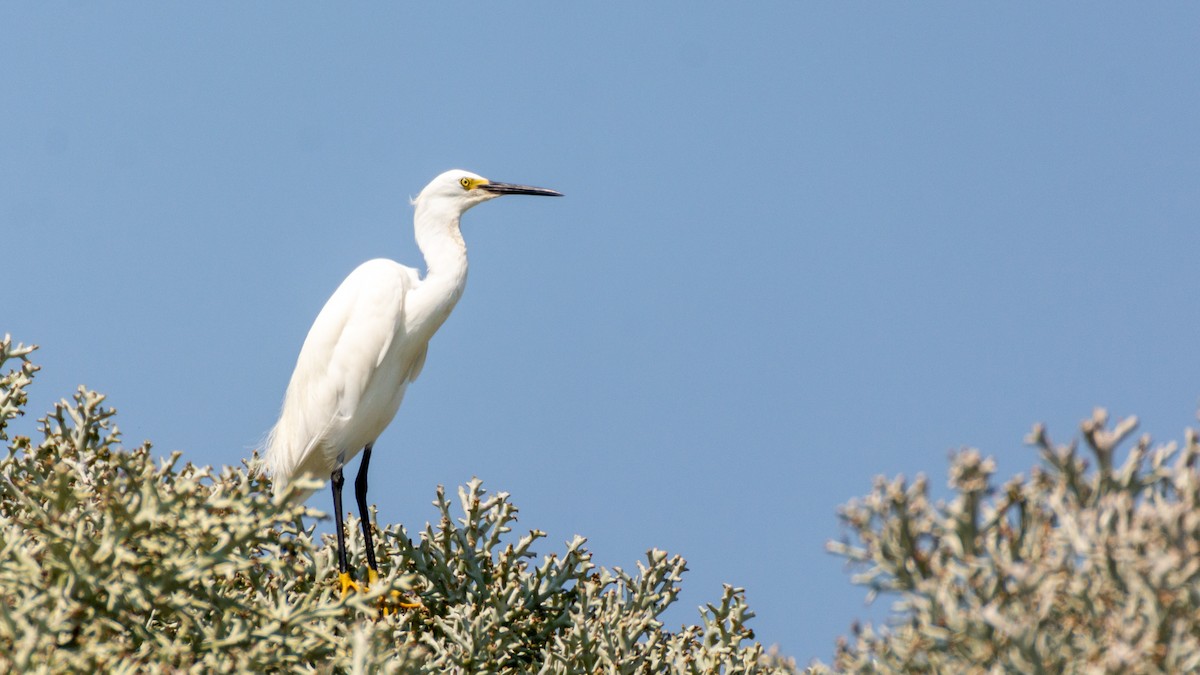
x: 353, y: 369
x: 369, y: 342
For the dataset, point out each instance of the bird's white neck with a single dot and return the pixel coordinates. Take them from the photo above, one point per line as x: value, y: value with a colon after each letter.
x: 445, y: 253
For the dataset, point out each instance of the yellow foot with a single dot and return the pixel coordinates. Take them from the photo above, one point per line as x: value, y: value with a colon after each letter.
x: 386, y: 608
x: 348, y: 584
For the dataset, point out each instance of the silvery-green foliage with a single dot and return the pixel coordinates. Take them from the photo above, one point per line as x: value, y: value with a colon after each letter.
x: 13, y: 382
x: 1073, y: 569
x: 112, y: 561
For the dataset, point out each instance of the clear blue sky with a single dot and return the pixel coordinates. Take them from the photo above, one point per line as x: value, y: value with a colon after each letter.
x: 802, y: 244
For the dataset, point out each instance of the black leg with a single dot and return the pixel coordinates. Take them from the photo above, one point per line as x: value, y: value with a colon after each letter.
x: 360, y: 494
x: 337, y: 480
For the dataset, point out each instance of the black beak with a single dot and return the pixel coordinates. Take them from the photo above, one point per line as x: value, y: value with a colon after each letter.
x: 510, y: 189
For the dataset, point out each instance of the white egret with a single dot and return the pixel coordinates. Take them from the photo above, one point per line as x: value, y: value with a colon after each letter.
x: 367, y: 344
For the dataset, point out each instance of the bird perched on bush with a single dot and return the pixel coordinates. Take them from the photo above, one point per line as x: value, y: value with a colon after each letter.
x: 367, y: 344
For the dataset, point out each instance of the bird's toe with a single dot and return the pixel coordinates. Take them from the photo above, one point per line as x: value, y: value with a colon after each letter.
x: 348, y: 584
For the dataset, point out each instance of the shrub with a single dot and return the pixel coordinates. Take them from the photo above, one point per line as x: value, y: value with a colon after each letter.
x: 114, y: 561
x: 1070, y: 570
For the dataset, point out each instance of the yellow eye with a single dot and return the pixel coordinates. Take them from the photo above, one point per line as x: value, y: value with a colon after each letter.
x: 465, y: 182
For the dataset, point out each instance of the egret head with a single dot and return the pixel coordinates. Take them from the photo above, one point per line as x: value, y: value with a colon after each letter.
x: 459, y: 190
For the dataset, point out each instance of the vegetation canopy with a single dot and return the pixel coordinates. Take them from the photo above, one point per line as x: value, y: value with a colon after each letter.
x: 1073, y: 569
x: 111, y: 561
